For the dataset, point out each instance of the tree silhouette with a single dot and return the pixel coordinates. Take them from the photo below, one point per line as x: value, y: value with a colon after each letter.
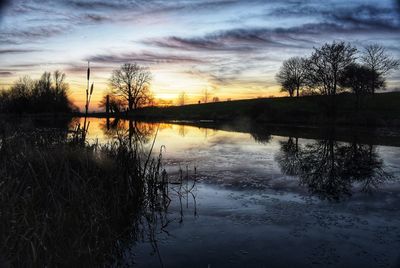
x: 131, y: 82
x: 182, y: 98
x: 49, y: 94
x: 327, y: 63
x: 292, y: 75
x: 360, y: 80
x: 380, y: 62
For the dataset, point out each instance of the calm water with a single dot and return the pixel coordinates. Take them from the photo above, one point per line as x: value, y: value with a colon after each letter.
x: 257, y: 198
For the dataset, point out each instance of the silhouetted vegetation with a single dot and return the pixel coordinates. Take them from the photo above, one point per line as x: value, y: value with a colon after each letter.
x: 131, y: 82
x: 292, y: 75
x: 380, y: 63
x: 67, y: 203
x: 49, y: 94
x: 378, y: 110
x: 333, y: 68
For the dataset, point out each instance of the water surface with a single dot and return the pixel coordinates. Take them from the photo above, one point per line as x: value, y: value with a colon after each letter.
x: 252, y: 198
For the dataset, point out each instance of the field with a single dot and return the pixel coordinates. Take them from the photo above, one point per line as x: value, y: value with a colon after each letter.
x: 377, y: 110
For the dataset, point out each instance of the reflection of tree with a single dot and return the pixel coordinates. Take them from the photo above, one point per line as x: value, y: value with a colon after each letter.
x: 130, y: 131
x: 289, y: 159
x: 260, y: 134
x: 329, y: 169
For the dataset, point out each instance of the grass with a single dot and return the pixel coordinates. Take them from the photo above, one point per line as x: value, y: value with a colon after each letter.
x: 64, y: 203
x: 377, y: 110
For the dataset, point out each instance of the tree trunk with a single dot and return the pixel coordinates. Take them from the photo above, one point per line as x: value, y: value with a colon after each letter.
x: 130, y: 102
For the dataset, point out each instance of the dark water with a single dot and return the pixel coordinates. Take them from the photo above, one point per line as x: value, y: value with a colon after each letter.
x: 266, y: 197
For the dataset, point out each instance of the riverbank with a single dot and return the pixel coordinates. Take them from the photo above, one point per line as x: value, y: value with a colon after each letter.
x: 377, y: 110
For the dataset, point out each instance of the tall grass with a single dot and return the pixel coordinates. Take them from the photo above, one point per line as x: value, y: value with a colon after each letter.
x: 72, y: 204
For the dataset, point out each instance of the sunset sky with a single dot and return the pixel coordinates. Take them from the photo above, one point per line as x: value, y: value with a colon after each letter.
x: 231, y: 47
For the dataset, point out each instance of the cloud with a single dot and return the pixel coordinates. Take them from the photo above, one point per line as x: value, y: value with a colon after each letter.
x: 144, y: 57
x: 3, y: 5
x: 17, y: 51
x: 368, y: 17
x: 239, y: 40
x: 6, y: 73
x: 32, y: 34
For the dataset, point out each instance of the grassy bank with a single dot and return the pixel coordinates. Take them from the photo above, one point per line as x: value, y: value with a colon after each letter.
x: 377, y: 110
x: 69, y: 204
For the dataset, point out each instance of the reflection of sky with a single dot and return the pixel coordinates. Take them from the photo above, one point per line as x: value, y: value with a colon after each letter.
x: 231, y: 47
x: 230, y: 157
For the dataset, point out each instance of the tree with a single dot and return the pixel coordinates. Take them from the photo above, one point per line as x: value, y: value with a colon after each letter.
x: 380, y: 62
x: 182, y: 98
x: 115, y: 104
x: 327, y: 63
x: 206, y: 95
x: 292, y: 75
x: 131, y: 82
x: 215, y: 99
x: 359, y: 79
x: 46, y: 95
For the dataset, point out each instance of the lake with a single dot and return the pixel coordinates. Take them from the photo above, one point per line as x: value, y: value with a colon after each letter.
x: 268, y: 196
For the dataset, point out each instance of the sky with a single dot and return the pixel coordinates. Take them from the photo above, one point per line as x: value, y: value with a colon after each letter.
x: 232, y: 48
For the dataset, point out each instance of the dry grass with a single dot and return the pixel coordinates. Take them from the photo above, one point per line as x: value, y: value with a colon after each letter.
x: 67, y: 204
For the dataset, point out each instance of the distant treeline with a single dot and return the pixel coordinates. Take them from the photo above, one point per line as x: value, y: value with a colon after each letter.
x: 45, y: 95
x: 337, y: 67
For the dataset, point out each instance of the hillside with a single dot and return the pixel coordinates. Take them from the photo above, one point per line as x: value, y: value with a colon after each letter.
x: 377, y: 110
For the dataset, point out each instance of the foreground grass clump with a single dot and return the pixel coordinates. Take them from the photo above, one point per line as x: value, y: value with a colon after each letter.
x: 68, y: 204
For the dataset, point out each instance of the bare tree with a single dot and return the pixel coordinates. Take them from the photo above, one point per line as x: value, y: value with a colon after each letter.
x: 206, y: 95
x: 380, y: 62
x: 182, y: 98
x: 292, y: 75
x: 59, y: 81
x: 326, y: 64
x: 131, y: 82
x: 115, y: 104
x: 215, y: 99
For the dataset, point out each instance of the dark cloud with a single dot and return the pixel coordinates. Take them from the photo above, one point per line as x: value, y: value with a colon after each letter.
x: 6, y: 73
x: 3, y: 5
x: 246, y: 39
x: 81, y: 69
x: 145, y: 57
x: 32, y: 34
x: 357, y: 17
x: 96, y: 5
x: 96, y: 18
x: 16, y: 51
x: 367, y: 17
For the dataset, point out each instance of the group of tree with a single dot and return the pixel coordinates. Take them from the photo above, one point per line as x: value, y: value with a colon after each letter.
x: 183, y: 98
x: 337, y: 67
x: 45, y: 95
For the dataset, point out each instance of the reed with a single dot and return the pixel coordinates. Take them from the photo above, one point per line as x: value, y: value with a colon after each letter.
x: 67, y: 204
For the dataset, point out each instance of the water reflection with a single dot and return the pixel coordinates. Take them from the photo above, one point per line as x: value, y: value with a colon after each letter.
x: 330, y: 168
x: 73, y: 204
x: 220, y: 191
